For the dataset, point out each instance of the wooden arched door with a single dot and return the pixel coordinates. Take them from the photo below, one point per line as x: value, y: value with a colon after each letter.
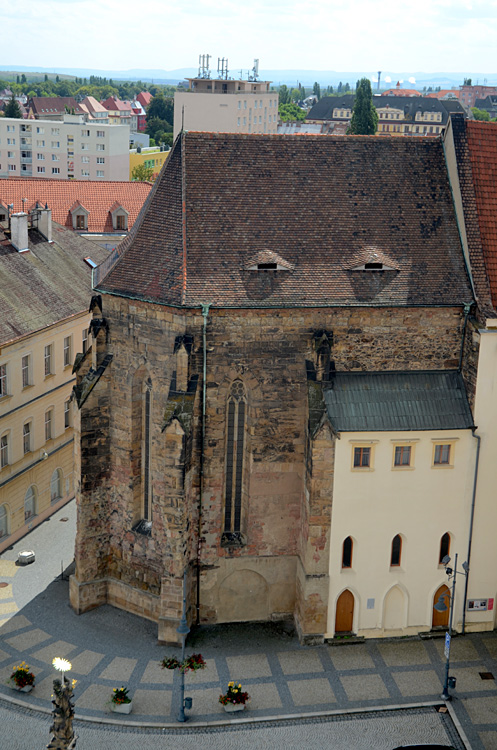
x: 344, y: 618
x: 441, y: 619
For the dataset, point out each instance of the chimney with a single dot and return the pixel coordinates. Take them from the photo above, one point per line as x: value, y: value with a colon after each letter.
x: 45, y: 223
x: 19, y: 231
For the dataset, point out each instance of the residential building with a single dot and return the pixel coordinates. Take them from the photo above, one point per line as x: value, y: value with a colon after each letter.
x: 141, y: 116
x: 53, y: 107
x: 120, y: 113
x: 144, y: 98
x: 468, y: 94
x: 284, y: 412
x: 71, y: 148
x: 397, y: 115
x: 397, y: 91
x: 153, y: 158
x: 104, y: 210
x: 95, y: 110
x: 46, y: 280
x: 225, y: 105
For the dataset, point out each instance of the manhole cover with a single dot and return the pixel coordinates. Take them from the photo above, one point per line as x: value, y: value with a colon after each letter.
x: 64, y: 519
x: 486, y: 675
x: 3, y: 584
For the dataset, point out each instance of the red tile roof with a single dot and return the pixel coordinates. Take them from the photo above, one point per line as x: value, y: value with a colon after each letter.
x: 46, y: 105
x: 482, y: 144
x: 144, y: 97
x: 113, y: 104
x: 98, y: 198
x: 224, y: 198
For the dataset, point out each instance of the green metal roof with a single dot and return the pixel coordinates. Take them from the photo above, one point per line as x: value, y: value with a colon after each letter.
x: 360, y: 401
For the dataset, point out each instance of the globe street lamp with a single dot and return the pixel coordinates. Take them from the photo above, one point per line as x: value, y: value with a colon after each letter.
x: 440, y: 606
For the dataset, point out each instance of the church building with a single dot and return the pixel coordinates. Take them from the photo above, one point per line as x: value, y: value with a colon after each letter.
x: 279, y: 388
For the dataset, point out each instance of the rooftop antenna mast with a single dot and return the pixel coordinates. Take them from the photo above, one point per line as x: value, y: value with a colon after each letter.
x: 254, y: 74
x: 203, y: 66
x: 222, y: 68
x: 379, y: 79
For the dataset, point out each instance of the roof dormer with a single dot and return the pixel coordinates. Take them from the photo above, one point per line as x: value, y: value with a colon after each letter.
x: 267, y: 260
x: 119, y: 217
x: 79, y: 216
x: 373, y: 259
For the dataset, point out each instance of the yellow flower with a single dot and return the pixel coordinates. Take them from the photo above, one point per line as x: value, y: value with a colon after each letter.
x: 231, y: 684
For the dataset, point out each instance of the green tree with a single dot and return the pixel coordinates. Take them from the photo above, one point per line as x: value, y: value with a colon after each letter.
x: 23, y: 78
x: 295, y: 95
x: 141, y: 173
x: 284, y: 94
x: 46, y: 77
x: 12, y: 108
x: 57, y: 79
x: 480, y: 114
x: 289, y: 112
x: 316, y: 90
x: 364, y: 115
x: 161, y: 108
x: 467, y: 82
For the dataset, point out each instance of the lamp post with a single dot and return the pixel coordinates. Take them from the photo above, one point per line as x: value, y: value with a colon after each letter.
x: 183, y: 631
x: 440, y: 606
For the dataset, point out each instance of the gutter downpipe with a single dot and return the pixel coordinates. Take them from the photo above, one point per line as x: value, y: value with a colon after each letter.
x: 467, y: 308
x: 205, y: 315
x: 471, y: 522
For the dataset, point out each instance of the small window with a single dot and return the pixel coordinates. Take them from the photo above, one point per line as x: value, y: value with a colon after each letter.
x: 121, y: 222
x: 444, y: 547
x: 442, y: 455
x: 266, y: 266
x: 26, y: 437
x: 100, y: 134
x: 67, y: 414
x: 30, y: 503
x: 3, y: 380
x: 4, y: 451
x: 81, y: 221
x: 85, y: 340
x: 48, y: 424
x: 26, y: 370
x: 56, y: 485
x: 48, y: 360
x: 4, y: 521
x: 402, y: 455
x: 347, y: 553
x: 373, y: 266
x: 362, y: 458
x: 55, y: 170
x: 67, y: 351
x: 396, y: 551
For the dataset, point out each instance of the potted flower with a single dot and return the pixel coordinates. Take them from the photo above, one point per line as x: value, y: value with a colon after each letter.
x: 191, y: 664
x: 120, y: 701
x: 234, y: 699
x: 21, y: 678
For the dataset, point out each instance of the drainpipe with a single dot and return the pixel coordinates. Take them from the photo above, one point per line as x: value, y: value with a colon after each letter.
x: 472, y: 517
x: 467, y: 308
x: 205, y: 315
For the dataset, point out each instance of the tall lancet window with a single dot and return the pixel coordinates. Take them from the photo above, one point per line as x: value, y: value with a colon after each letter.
x: 141, y: 436
x: 235, y: 453
x: 147, y: 510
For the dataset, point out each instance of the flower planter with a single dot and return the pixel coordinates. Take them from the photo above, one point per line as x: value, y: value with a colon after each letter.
x: 232, y: 707
x: 25, y: 689
x: 122, y: 708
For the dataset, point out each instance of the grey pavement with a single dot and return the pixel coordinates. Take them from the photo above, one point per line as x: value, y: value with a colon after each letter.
x: 109, y: 648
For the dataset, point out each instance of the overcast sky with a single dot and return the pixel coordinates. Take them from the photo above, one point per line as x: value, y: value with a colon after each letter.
x: 342, y: 35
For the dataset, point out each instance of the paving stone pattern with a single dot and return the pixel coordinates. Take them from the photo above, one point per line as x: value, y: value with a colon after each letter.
x: 110, y: 648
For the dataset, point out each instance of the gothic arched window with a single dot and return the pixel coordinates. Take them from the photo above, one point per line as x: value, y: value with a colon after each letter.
x: 235, y: 452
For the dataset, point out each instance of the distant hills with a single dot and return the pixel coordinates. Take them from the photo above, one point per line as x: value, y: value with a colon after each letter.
x: 288, y: 77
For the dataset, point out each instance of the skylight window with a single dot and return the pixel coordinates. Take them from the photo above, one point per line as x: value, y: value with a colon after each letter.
x: 90, y: 262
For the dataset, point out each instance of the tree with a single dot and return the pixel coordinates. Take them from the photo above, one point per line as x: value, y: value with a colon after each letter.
x: 141, y: 173
x: 316, y: 90
x: 161, y: 108
x: 289, y: 112
x: 284, y: 94
x: 12, y: 108
x: 467, y: 82
x: 364, y: 115
x: 480, y: 114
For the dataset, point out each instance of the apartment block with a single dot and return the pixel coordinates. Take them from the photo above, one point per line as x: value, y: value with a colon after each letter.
x: 226, y: 106
x: 69, y: 149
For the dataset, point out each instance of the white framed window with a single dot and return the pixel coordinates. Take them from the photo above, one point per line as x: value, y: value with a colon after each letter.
x: 26, y: 437
x: 56, y: 483
x: 55, y: 131
x: 10, y: 154
x: 49, y: 424
x: 11, y: 128
x: 12, y: 167
x: 4, y: 451
x: 100, y: 146
x: 55, y: 157
x: 239, y: 104
x: 85, y: 159
x: 67, y: 414
x: 67, y: 351
x: 40, y: 143
x: 84, y: 173
x: 11, y: 141
x: 55, y: 144
x: 40, y: 169
x: 255, y: 104
x: 3, y: 381
x: 4, y: 521
x: 40, y: 130
x: 238, y: 122
x: 55, y: 170
x: 101, y: 160
x: 48, y: 360
x: 100, y: 173
x: 40, y: 157
x: 30, y: 503
x: 85, y: 340
x: 85, y: 147
x: 85, y: 134
x: 26, y: 370
x: 100, y: 133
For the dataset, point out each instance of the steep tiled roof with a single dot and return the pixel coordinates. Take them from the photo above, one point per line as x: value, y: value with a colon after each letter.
x: 115, y: 104
x: 482, y: 145
x: 61, y: 196
x: 45, y: 105
x: 47, y: 285
x: 372, y: 401
x: 223, y: 198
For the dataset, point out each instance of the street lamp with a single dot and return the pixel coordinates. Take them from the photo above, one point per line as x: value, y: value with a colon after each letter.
x: 440, y: 606
x: 183, y: 631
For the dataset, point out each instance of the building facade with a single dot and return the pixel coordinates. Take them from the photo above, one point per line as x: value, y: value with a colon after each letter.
x: 66, y: 149
x: 226, y: 106
x: 41, y: 334
x: 220, y: 336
